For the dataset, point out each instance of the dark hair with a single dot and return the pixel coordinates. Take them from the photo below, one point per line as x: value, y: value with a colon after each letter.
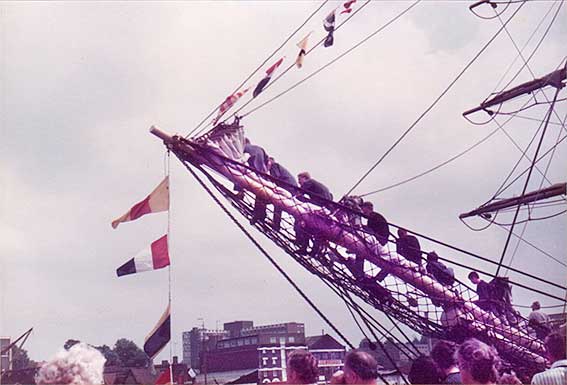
x: 362, y: 364
x: 536, y: 305
x: 304, y: 365
x: 424, y: 371
x: 480, y: 360
x: 432, y: 256
x: 444, y: 354
x: 555, y: 346
x: 473, y: 274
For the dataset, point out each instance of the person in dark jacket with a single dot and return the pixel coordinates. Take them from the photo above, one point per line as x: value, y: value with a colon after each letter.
x: 258, y: 160
x: 288, y: 181
x: 377, y: 224
x: 482, y: 290
x: 408, y: 246
x: 318, y: 193
x: 443, y: 274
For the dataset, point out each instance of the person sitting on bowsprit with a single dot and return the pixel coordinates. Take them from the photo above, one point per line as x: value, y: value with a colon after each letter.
x: 376, y: 224
x: 443, y: 274
x: 258, y: 160
x: 319, y: 194
x: 281, y: 174
x: 408, y: 246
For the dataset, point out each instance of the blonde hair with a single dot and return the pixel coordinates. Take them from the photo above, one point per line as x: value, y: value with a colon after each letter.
x: 81, y: 364
x: 480, y: 360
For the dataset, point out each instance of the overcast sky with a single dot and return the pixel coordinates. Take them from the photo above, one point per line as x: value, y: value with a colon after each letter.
x: 82, y: 83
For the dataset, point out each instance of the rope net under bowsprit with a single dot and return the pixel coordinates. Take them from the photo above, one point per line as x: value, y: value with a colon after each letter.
x: 350, y: 256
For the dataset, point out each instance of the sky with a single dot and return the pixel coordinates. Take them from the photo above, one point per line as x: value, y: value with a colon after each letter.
x: 82, y: 82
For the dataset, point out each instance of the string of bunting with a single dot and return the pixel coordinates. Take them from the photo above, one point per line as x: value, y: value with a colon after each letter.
x: 329, y: 27
x: 153, y: 257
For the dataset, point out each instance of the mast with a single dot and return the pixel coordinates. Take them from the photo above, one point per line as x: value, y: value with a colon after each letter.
x: 554, y: 79
x: 533, y: 196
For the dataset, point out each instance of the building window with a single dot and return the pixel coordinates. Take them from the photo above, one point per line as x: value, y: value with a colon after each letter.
x: 247, y: 341
x: 263, y: 351
x: 240, y: 342
x: 273, y: 340
x: 274, y: 359
x: 264, y: 361
x: 254, y: 340
x: 282, y: 340
x: 291, y: 339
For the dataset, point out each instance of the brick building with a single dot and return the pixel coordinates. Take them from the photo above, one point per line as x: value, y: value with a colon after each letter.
x: 329, y: 352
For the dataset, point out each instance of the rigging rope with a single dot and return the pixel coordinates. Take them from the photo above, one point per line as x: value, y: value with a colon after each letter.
x: 527, y: 182
x: 539, y: 159
x: 265, y: 253
x: 407, y: 131
x: 378, y: 325
x: 526, y: 65
x: 293, y: 64
x: 262, y: 64
x: 433, y: 168
x: 334, y: 60
x: 536, y: 248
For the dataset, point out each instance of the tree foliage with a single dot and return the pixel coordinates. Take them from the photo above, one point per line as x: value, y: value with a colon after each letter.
x: 20, y: 359
x: 124, y: 354
x: 112, y: 358
x: 130, y: 354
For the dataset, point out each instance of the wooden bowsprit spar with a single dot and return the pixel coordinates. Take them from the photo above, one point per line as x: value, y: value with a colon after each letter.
x: 351, y: 257
x: 533, y: 196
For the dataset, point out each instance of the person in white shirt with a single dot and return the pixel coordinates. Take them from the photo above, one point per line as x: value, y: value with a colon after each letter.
x: 555, y: 350
x: 539, y: 321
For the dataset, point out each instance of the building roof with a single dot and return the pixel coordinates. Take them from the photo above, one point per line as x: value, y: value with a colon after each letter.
x: 226, y: 377
x: 19, y: 376
x: 324, y: 341
x: 117, y: 375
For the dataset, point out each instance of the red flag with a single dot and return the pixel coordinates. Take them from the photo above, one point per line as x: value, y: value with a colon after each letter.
x: 157, y: 201
x: 348, y: 6
x: 228, y: 103
x: 164, y: 377
x: 260, y: 87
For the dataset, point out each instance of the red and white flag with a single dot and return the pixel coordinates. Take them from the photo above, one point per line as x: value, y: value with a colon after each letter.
x: 269, y: 72
x: 157, y: 201
x: 153, y: 257
x: 228, y: 103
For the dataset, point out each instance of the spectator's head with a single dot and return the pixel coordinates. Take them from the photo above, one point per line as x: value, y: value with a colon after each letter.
x: 360, y: 368
x: 402, y: 232
x: 432, y: 256
x: 81, y: 364
x: 424, y: 371
x: 443, y: 354
x: 478, y: 362
x: 246, y: 141
x: 536, y: 305
x: 555, y: 347
x: 474, y: 277
x: 367, y: 207
x: 302, y: 368
x: 303, y: 177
